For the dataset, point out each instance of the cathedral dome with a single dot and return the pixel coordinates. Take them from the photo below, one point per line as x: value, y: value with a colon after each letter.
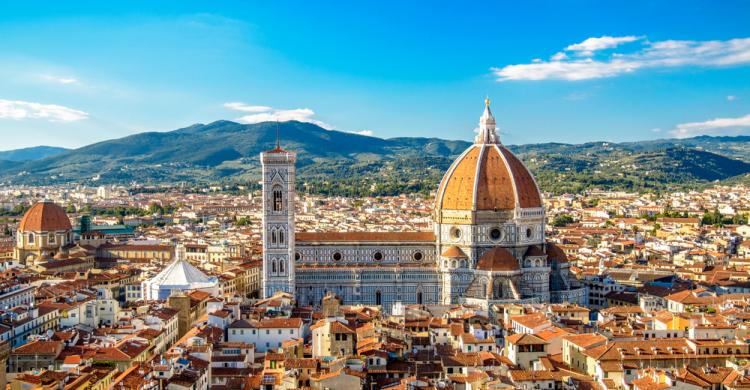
x: 45, y: 216
x: 487, y: 176
x: 498, y: 259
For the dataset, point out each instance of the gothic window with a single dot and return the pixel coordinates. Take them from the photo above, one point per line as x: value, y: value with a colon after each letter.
x: 419, y: 298
x: 281, y: 236
x: 31, y: 238
x: 273, y: 266
x: 378, y: 298
x: 281, y: 266
x: 278, y: 200
x: 273, y: 236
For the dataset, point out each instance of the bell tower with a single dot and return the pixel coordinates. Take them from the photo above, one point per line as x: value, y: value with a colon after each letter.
x: 278, y: 220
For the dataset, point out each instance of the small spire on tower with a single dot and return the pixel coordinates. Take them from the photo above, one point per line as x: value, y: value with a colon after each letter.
x: 487, y: 134
x: 278, y: 141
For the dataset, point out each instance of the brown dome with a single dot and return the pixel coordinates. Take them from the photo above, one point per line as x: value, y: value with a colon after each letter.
x: 44, y: 216
x: 454, y: 252
x: 498, y: 259
x: 487, y: 177
x: 555, y: 253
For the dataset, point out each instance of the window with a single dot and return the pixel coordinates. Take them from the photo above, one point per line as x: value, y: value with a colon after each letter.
x: 281, y: 266
x: 281, y: 236
x: 456, y: 233
x: 297, y: 256
x: 273, y: 266
x: 378, y: 298
x: 417, y: 256
x: 528, y: 232
x: 377, y: 256
x: 495, y: 234
x: 31, y: 238
x: 337, y: 256
x: 278, y: 200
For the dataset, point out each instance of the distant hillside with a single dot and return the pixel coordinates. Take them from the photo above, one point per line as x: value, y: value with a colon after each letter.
x: 334, y: 162
x: 32, y: 153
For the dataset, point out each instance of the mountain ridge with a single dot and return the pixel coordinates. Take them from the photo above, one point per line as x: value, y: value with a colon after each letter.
x: 333, y: 161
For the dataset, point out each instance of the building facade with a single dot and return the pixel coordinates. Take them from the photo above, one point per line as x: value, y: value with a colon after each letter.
x: 278, y: 220
x: 487, y: 246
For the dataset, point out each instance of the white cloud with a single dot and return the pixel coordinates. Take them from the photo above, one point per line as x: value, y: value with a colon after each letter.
x: 656, y: 130
x: 61, y: 80
x: 368, y: 133
x: 718, y: 126
x: 650, y: 55
x: 19, y: 110
x: 731, y: 98
x: 590, y: 45
x: 246, y: 107
x: 270, y: 114
x: 559, y: 56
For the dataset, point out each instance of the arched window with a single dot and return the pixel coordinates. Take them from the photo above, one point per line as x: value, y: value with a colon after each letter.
x: 419, y: 298
x: 281, y: 266
x: 273, y: 266
x: 281, y: 236
x: 278, y: 200
x: 31, y: 238
x: 453, y: 263
x: 378, y: 298
x: 538, y: 263
x: 273, y: 236
x: 463, y: 263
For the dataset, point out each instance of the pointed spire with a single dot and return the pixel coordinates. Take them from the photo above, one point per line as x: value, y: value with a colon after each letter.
x: 487, y: 134
x: 278, y: 140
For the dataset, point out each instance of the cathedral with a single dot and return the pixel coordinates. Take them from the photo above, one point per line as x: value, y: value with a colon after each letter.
x: 487, y: 247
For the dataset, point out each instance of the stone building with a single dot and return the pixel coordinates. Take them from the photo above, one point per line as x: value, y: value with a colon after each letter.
x: 487, y: 246
x: 42, y: 232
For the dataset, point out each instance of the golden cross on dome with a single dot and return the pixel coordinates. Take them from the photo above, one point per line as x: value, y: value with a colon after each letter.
x: 487, y: 101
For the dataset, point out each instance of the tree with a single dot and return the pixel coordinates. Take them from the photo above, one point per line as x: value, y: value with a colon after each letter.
x: 562, y: 220
x: 155, y: 208
x: 243, y: 221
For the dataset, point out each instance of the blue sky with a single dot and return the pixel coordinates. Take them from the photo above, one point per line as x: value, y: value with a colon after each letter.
x: 74, y: 74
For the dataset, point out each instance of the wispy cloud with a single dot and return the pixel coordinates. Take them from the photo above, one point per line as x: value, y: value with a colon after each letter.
x: 269, y: 114
x: 588, y: 63
x: 261, y: 113
x: 246, y: 107
x: 718, y: 126
x: 19, y: 110
x: 731, y: 98
x: 590, y: 45
x: 60, y: 80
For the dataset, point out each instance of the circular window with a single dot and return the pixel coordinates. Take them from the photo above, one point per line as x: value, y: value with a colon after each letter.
x: 378, y: 256
x: 495, y: 234
x: 337, y: 256
x: 456, y: 233
x: 417, y: 256
x: 297, y: 256
x: 528, y: 232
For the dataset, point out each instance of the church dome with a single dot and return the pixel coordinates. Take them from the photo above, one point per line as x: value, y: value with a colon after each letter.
x: 498, y: 259
x: 487, y: 176
x: 45, y: 216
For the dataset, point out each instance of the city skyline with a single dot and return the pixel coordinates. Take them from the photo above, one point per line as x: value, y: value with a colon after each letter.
x: 75, y: 75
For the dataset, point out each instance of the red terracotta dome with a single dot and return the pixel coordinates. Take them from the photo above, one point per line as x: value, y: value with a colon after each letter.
x: 45, y: 216
x: 498, y: 259
x: 487, y: 176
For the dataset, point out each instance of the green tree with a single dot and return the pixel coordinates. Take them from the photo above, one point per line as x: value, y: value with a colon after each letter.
x: 562, y: 220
